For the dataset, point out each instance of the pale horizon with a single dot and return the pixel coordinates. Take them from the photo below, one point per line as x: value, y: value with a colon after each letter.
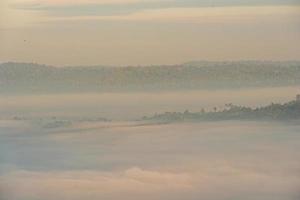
x: 144, y: 65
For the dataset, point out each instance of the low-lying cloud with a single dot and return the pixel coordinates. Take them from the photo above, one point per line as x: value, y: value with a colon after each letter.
x: 136, y: 183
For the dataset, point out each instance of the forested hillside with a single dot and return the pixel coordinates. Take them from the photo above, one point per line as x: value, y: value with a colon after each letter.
x: 35, y: 78
x: 286, y: 111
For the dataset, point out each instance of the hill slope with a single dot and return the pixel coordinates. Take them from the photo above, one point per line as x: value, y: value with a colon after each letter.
x: 287, y: 111
x: 26, y: 77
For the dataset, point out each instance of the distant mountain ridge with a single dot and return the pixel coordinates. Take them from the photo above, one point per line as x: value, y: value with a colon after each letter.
x: 36, y: 78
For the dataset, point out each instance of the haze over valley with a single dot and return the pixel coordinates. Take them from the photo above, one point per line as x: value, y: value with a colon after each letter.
x: 149, y: 100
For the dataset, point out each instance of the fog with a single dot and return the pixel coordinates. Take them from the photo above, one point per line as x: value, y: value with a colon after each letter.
x: 133, y: 160
x: 109, y: 160
x: 128, y: 106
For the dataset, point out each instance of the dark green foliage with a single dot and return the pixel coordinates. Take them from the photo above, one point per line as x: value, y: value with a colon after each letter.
x: 287, y: 111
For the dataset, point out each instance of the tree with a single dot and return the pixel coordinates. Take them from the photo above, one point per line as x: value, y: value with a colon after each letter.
x: 215, y: 109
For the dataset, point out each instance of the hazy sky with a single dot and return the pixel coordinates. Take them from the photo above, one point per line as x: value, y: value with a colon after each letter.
x: 133, y: 32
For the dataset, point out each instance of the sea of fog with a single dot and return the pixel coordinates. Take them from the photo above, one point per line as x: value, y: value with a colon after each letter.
x: 132, y: 160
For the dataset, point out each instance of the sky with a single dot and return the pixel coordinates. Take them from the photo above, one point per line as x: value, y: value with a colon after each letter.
x: 146, y: 32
